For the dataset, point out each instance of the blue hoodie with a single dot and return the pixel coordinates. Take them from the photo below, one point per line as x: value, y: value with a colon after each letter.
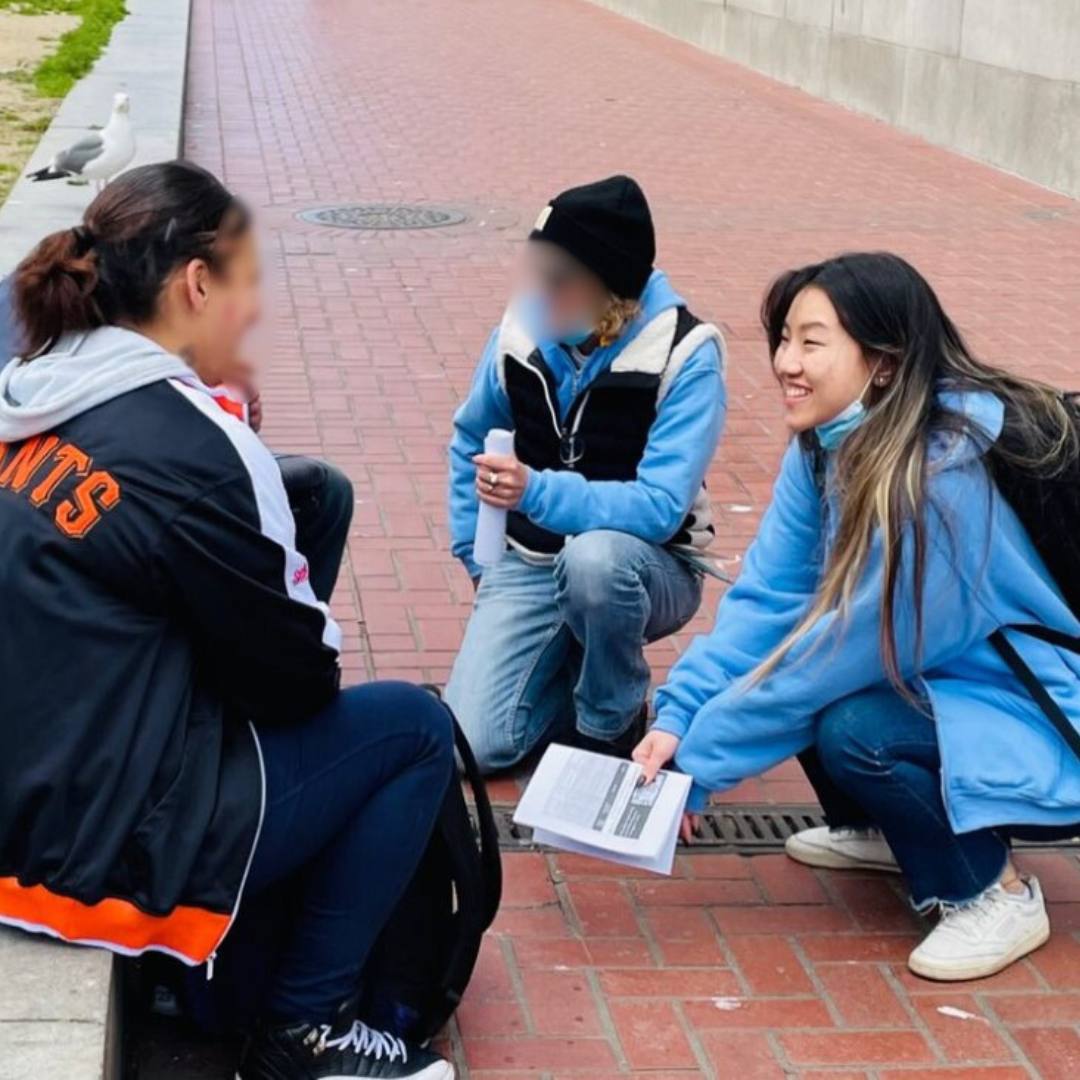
x: 1002, y: 761
x: 682, y: 441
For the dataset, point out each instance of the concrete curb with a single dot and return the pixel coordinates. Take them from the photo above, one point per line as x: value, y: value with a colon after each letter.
x: 147, y: 57
x: 59, y: 1004
x: 58, y: 1010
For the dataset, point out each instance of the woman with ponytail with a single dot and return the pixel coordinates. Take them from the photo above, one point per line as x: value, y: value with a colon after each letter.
x: 858, y: 635
x: 175, y: 753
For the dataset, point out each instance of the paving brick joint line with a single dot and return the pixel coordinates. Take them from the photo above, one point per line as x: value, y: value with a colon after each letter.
x: 753, y: 968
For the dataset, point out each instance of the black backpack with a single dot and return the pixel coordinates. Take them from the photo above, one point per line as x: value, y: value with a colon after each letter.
x: 1049, y: 510
x: 425, y: 955
x: 422, y: 961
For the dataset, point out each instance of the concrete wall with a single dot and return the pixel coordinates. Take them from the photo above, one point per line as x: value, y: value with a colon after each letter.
x: 998, y: 80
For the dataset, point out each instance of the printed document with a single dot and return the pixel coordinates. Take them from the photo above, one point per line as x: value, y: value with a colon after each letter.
x: 597, y: 805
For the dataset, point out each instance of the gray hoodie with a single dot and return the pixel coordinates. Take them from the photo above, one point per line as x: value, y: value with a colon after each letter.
x: 81, y: 371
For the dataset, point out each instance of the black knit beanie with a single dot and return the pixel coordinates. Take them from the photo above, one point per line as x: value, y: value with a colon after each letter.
x: 606, y: 226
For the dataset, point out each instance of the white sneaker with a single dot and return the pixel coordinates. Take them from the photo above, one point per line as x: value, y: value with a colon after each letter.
x: 841, y: 849
x: 984, y: 936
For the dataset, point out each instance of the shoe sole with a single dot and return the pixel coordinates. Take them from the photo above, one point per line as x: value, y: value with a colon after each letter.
x: 441, y: 1070
x: 827, y: 859
x: 928, y: 969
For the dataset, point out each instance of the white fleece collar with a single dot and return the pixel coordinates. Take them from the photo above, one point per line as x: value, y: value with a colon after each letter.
x: 81, y: 372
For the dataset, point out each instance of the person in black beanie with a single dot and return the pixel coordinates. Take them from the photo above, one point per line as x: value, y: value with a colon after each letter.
x: 615, y: 393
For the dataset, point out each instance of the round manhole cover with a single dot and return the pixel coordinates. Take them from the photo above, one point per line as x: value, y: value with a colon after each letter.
x: 383, y: 216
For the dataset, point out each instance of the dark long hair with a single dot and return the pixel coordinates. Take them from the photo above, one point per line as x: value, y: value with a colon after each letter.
x: 110, y: 269
x: 889, y: 308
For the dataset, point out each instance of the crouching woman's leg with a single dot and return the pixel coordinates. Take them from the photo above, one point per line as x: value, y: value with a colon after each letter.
x: 617, y: 592
x: 882, y: 752
x: 351, y: 799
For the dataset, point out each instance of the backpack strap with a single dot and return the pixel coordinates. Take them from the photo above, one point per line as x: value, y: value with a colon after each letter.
x: 485, y: 819
x: 485, y: 816
x: 1052, y: 637
x: 1039, y: 693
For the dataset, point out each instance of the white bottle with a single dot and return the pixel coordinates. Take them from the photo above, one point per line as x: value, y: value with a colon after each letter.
x: 490, y: 542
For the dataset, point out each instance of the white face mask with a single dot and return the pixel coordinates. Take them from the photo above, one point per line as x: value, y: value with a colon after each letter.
x: 833, y: 432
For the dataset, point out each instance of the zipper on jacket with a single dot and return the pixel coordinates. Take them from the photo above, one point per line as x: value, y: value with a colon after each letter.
x: 251, y: 856
x: 566, y: 436
x: 560, y: 428
x: 565, y: 433
x: 569, y: 436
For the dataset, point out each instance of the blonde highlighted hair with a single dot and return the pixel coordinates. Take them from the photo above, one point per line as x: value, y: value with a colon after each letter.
x: 617, y: 316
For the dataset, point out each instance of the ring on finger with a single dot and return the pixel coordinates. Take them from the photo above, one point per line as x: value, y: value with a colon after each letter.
x: 493, y: 479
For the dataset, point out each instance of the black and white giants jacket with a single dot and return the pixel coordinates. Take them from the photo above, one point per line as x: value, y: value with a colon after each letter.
x: 152, y: 606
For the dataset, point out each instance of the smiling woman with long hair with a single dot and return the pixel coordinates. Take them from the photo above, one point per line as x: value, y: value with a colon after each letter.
x: 859, y: 632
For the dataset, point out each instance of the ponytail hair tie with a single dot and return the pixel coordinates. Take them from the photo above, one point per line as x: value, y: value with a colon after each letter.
x: 84, y: 238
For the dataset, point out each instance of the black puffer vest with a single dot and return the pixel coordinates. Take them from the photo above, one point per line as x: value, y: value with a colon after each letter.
x: 606, y: 428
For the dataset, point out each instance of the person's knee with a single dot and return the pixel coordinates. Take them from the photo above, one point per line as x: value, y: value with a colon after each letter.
x: 590, y: 568
x: 337, y: 497
x: 846, y: 738
x: 423, y: 715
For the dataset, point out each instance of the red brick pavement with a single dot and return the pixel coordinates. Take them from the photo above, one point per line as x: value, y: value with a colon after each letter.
x: 757, y: 968
x: 491, y: 106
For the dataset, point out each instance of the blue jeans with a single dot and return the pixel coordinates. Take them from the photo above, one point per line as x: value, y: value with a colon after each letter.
x: 550, y: 646
x: 352, y: 795
x: 876, y: 763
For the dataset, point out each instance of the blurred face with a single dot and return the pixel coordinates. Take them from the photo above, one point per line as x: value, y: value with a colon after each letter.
x: 222, y: 307
x: 573, y: 297
x: 820, y: 366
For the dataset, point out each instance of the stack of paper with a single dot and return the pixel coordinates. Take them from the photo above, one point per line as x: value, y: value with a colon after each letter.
x: 597, y: 805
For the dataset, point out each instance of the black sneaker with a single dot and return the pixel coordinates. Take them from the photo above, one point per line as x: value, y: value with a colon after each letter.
x: 623, y: 745
x: 317, y: 1052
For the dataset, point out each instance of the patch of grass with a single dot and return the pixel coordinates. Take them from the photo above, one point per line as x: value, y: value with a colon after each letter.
x: 39, y: 7
x: 78, y: 48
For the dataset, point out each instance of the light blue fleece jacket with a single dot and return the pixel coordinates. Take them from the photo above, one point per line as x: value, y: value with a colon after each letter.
x: 682, y: 441
x: 1002, y: 761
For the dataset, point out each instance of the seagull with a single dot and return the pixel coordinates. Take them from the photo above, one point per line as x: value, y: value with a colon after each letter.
x: 100, y: 155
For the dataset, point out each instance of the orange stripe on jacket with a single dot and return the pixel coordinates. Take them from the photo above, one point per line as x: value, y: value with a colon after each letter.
x: 232, y: 406
x: 188, y: 931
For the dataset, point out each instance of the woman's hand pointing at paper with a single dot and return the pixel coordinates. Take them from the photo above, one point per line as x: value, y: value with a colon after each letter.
x: 652, y: 754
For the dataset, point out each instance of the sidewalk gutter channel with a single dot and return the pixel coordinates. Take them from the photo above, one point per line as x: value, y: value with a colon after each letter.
x: 747, y: 829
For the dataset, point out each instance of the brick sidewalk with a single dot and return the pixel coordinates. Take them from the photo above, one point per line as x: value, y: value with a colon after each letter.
x: 756, y: 969
x: 492, y: 106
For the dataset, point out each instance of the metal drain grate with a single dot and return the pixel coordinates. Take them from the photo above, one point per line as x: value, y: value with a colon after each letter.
x: 383, y: 216
x: 746, y: 830
x: 751, y: 829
